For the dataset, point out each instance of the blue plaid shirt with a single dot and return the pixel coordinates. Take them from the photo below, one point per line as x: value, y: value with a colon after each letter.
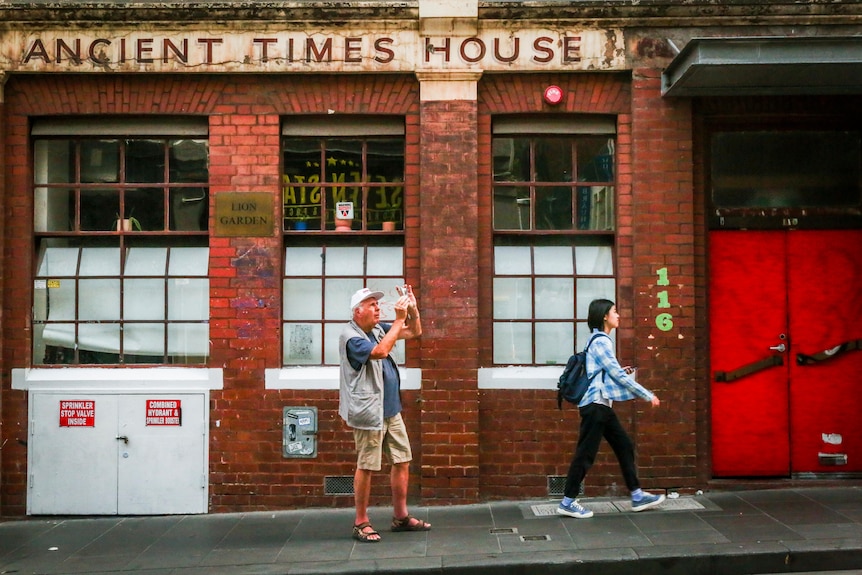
x: 613, y: 383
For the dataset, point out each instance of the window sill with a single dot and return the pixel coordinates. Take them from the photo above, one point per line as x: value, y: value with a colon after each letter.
x: 520, y: 377
x: 118, y: 379
x: 327, y: 378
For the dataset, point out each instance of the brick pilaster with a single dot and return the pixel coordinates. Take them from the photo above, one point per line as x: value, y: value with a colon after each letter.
x: 448, y: 239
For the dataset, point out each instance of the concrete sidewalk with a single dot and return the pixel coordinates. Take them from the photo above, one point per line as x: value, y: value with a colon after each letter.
x: 733, y: 533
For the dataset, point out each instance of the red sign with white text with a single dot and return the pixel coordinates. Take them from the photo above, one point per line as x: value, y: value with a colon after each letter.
x: 164, y: 412
x: 77, y: 413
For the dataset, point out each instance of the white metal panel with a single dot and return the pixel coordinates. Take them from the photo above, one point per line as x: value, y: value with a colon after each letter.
x: 72, y: 470
x: 163, y: 468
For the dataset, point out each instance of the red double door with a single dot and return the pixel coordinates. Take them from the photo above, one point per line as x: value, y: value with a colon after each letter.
x: 786, y: 375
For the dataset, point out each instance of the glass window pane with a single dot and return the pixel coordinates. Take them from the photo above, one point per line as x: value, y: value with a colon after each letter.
x: 594, y: 260
x: 100, y: 161
x: 553, y: 159
x: 48, y: 341
x: 58, y: 262
x: 511, y: 159
x: 303, y: 299
x: 343, y: 160
x: 553, y: 260
x: 511, y: 208
x: 61, y: 300
x: 189, y: 209
x: 512, y: 260
x: 385, y: 261
x: 104, y: 337
x: 145, y: 161
x: 385, y: 160
x: 595, y: 159
x: 144, y: 299
x: 513, y: 298
x: 189, y: 262
x: 554, y: 208
x: 596, y: 208
x: 99, y: 299
x: 53, y: 162
x: 786, y: 169
x: 512, y: 343
x: 555, y: 298
x: 554, y: 342
x: 302, y: 344
x: 143, y: 339
x: 100, y: 262
x: 303, y: 261
x: 100, y: 210
x: 53, y: 210
x: 503, y: 152
x: 147, y: 206
x: 344, y: 262
x: 302, y: 168
x: 337, y: 294
x: 593, y: 288
x: 331, y: 332
x: 189, y: 339
x: 189, y: 161
x: 146, y: 261
x: 188, y: 299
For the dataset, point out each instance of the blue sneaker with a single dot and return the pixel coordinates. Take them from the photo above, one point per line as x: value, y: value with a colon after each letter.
x: 574, y: 509
x: 647, y: 501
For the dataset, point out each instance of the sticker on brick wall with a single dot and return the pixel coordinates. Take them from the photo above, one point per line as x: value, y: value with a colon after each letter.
x: 664, y: 320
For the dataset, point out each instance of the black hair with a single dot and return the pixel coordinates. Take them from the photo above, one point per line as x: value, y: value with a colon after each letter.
x: 599, y: 308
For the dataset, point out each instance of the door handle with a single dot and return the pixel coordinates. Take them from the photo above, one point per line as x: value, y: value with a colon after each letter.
x: 124, y: 438
x: 779, y: 347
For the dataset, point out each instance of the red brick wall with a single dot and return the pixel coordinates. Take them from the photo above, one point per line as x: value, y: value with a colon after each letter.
x: 468, y: 445
x: 247, y: 470
x: 663, y: 229
x: 450, y: 340
x: 523, y: 437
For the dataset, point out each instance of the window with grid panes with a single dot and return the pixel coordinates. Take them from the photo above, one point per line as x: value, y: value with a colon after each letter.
x: 327, y: 163
x: 553, y: 216
x: 120, y: 224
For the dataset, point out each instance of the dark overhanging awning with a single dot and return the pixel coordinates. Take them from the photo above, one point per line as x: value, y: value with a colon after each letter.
x: 762, y: 66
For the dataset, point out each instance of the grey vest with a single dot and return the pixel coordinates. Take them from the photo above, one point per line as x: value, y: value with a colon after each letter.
x: 360, y: 396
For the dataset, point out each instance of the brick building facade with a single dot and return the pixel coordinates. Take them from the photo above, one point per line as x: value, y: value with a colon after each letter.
x: 482, y: 418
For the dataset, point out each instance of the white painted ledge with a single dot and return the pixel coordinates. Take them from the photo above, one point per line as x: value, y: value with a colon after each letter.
x: 118, y: 379
x: 515, y: 377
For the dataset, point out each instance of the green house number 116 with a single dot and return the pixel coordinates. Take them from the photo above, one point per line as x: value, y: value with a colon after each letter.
x: 664, y: 321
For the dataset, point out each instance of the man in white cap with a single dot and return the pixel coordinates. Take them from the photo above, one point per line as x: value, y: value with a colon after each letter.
x: 370, y: 403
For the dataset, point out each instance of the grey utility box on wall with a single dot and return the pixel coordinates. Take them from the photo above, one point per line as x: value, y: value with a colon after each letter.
x: 300, y: 432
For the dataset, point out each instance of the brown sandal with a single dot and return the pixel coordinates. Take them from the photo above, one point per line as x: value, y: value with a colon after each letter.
x: 404, y: 524
x: 363, y: 536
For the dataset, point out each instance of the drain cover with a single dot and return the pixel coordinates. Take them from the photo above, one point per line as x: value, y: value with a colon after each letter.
x: 535, y: 538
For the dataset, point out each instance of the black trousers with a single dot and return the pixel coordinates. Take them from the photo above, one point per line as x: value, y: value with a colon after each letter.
x: 598, y: 421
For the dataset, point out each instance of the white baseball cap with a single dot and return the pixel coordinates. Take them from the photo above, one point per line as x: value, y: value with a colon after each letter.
x: 362, y: 295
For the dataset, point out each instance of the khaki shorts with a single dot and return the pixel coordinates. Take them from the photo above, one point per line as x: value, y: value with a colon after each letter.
x: 392, y: 440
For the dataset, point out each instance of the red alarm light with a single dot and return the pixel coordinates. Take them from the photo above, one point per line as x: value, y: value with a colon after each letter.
x: 553, y: 95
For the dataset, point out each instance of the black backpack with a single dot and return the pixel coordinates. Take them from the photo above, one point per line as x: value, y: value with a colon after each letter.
x: 573, y: 383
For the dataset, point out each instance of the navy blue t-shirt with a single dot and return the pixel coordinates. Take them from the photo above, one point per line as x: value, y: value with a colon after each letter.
x: 358, y: 352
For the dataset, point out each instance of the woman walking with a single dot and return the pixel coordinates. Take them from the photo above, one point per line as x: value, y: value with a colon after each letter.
x: 611, y: 382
